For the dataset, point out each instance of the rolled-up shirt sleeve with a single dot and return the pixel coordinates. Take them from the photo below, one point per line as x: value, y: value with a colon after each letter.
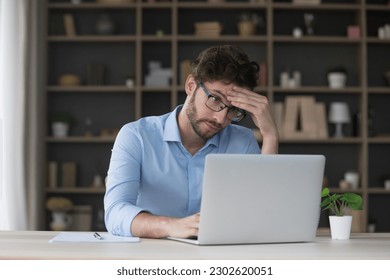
x: 123, y: 182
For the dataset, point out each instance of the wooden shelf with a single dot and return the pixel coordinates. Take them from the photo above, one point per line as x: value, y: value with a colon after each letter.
x: 80, y: 139
x: 379, y: 90
x: 318, y: 89
x: 76, y: 190
x: 376, y: 40
x: 380, y: 8
x: 92, y: 89
x: 319, y: 7
x: 338, y: 190
x: 330, y: 141
x: 316, y: 39
x: 94, y: 6
x: 131, y: 50
x: 92, y: 38
x: 224, y: 5
x: 222, y: 38
x: 379, y: 140
x: 378, y: 190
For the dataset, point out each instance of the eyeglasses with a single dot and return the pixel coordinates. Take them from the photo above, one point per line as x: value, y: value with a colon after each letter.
x: 215, y: 104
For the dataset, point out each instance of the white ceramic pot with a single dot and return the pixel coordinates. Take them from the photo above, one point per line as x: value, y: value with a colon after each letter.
x: 60, y: 129
x: 340, y: 227
x: 352, y: 178
x: 337, y: 79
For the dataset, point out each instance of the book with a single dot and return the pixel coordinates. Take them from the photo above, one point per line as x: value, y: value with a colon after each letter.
x: 278, y: 115
x: 322, y: 125
x: 68, y: 174
x: 70, y: 29
x: 308, y: 116
x: 290, y: 119
x: 208, y: 28
x: 304, y: 118
x: 53, y: 174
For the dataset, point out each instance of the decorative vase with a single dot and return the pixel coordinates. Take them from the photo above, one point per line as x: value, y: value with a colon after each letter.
x: 246, y: 28
x: 60, y: 221
x: 337, y: 79
x: 340, y: 227
x: 105, y: 25
x: 60, y: 129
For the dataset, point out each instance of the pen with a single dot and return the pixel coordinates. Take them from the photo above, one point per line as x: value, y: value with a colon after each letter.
x: 97, y: 236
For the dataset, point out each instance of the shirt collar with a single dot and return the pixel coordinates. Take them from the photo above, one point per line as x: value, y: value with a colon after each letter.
x: 171, y: 129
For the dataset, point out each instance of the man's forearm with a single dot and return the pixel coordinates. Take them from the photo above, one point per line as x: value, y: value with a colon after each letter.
x: 150, y: 226
x: 270, y: 145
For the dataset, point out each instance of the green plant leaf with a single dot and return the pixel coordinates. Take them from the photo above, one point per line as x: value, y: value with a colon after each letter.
x: 325, y: 192
x: 354, y: 201
x: 326, y: 202
x: 338, y: 203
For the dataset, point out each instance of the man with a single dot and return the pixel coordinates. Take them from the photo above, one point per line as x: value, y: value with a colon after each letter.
x: 154, y: 181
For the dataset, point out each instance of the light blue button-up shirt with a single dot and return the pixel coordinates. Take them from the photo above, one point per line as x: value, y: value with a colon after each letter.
x: 150, y: 170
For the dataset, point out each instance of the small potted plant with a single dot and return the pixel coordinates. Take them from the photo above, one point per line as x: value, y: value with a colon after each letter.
x: 247, y: 23
x: 340, y: 205
x: 60, y: 124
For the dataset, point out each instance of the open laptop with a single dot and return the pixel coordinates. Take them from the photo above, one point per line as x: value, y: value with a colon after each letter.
x: 260, y: 199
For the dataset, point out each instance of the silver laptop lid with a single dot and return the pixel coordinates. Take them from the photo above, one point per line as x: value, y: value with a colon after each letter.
x: 260, y: 198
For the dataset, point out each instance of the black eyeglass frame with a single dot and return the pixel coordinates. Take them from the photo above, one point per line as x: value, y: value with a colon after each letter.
x: 230, y: 108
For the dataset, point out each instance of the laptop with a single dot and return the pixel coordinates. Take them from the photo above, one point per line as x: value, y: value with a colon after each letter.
x: 250, y: 199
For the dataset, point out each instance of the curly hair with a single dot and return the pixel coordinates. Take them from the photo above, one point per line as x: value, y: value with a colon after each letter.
x: 225, y: 63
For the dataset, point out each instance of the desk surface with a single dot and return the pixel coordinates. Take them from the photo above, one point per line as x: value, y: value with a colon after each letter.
x: 35, y: 245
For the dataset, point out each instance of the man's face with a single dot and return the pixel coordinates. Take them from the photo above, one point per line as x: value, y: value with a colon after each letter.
x: 205, y: 122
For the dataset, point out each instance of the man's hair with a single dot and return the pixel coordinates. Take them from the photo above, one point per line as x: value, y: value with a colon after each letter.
x: 228, y: 64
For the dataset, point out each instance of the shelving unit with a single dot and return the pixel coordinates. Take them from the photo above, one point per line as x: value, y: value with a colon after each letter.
x: 164, y: 31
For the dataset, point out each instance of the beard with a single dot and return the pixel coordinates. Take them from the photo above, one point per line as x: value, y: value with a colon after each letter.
x: 192, y: 114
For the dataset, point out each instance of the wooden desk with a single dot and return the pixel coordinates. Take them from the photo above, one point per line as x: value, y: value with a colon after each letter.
x: 34, y: 245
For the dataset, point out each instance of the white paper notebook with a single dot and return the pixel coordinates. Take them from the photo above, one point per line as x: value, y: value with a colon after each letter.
x: 83, y: 236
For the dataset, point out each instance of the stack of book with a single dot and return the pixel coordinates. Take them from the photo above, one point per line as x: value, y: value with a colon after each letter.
x: 301, y: 117
x: 208, y: 28
x: 62, y: 174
